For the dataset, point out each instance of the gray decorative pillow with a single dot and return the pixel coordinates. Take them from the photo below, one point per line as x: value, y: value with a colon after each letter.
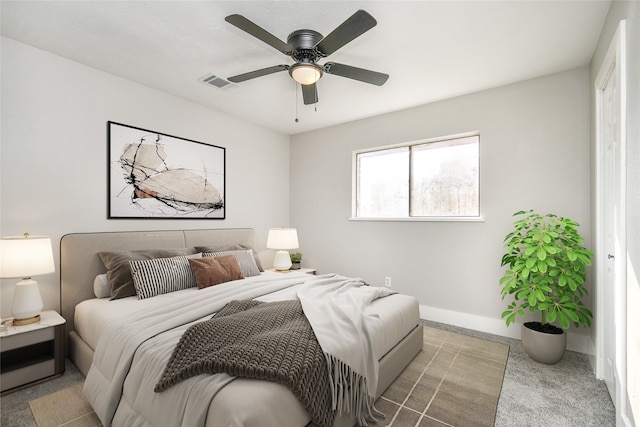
x: 230, y: 247
x: 245, y: 259
x: 162, y: 275
x: 119, y: 271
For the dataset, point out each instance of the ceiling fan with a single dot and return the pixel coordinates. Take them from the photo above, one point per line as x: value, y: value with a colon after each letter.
x: 307, y: 47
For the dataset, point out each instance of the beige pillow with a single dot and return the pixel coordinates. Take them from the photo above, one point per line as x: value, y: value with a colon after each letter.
x: 212, y: 271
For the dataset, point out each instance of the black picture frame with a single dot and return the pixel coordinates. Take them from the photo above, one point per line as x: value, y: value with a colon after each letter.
x: 153, y: 175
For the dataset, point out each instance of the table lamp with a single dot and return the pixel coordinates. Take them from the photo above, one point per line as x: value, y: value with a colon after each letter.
x: 23, y: 257
x: 282, y: 239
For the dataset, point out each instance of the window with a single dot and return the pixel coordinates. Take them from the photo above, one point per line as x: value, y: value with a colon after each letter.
x: 426, y: 179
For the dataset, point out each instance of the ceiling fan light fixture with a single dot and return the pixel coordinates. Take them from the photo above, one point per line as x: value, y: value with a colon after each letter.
x: 305, y: 73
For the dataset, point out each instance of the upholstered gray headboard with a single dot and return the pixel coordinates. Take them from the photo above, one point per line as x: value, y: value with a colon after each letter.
x: 80, y: 264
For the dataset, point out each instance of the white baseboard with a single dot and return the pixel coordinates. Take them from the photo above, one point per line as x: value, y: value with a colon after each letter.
x: 575, y: 342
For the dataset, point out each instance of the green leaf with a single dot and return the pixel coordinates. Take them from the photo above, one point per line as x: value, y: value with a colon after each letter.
x: 571, y: 315
x: 562, y: 280
x: 542, y: 267
x: 541, y: 254
x: 524, y: 293
x: 505, y: 278
x: 585, y: 259
x: 564, y: 321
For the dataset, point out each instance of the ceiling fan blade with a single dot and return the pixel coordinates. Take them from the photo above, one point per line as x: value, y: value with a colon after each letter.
x: 356, y: 25
x: 257, y: 73
x: 310, y: 94
x: 355, y: 73
x: 258, y: 32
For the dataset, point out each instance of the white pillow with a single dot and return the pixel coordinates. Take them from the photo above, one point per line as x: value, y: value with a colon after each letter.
x: 101, y: 286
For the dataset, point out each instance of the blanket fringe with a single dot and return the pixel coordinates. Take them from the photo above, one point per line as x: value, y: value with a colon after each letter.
x: 349, y: 392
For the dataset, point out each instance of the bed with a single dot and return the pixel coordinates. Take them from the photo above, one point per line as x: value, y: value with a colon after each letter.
x: 95, y: 326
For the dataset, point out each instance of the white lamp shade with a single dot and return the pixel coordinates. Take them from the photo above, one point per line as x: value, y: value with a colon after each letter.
x: 22, y: 256
x: 282, y: 238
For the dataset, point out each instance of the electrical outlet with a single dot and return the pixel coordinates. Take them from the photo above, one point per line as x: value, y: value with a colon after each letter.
x: 387, y: 281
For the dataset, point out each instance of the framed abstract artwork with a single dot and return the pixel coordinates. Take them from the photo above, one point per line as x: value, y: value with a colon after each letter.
x: 154, y: 175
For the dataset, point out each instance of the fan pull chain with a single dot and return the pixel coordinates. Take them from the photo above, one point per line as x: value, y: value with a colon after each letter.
x: 315, y: 104
x: 296, y: 88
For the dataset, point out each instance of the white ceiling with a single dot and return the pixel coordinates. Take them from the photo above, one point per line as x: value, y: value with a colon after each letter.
x: 432, y: 50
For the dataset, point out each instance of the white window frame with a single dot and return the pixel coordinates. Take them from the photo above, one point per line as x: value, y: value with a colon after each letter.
x: 354, y: 184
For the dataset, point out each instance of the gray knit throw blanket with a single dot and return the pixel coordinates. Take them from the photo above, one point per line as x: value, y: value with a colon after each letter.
x: 252, y: 339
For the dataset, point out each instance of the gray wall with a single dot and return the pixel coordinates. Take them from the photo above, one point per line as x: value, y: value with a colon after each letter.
x: 54, y: 146
x: 534, y: 154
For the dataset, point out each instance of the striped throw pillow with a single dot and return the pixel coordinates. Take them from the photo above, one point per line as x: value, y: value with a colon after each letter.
x: 245, y: 259
x: 162, y: 275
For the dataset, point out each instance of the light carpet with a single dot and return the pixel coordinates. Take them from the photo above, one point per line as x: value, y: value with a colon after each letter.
x: 66, y: 407
x: 454, y: 381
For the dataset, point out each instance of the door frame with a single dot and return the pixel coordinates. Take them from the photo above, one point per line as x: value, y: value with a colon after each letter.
x: 614, y: 61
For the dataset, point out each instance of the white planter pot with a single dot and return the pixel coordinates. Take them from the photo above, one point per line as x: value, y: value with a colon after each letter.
x: 544, y: 347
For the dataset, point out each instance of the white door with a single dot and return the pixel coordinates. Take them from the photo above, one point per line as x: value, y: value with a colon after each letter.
x: 610, y: 162
x: 611, y: 315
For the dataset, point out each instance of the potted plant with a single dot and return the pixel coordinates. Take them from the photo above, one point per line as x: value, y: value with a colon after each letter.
x: 296, y: 258
x: 546, y: 272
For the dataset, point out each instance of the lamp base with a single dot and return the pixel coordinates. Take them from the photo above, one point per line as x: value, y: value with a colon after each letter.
x: 27, y: 302
x: 282, y: 261
x: 27, y: 321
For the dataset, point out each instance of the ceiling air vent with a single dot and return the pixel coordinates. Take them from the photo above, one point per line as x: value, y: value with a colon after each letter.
x: 216, y: 81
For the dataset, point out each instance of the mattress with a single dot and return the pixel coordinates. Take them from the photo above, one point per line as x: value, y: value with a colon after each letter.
x: 399, y: 313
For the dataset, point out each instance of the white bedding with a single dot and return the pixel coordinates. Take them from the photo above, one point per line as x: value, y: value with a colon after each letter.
x: 139, y: 406
x: 93, y: 315
x: 398, y: 312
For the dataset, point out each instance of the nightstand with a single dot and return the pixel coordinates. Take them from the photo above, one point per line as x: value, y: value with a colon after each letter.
x: 300, y: 270
x: 32, y: 352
